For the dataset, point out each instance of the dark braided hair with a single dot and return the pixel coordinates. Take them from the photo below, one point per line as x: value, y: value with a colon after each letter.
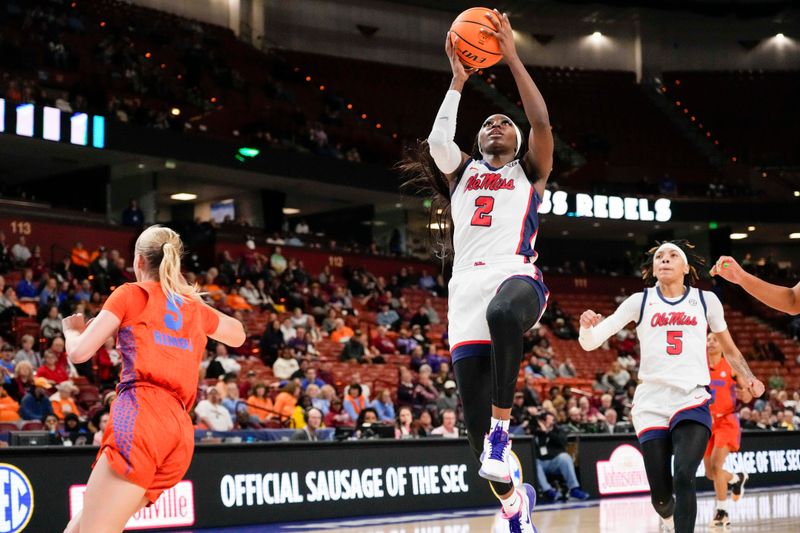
x: 696, y: 262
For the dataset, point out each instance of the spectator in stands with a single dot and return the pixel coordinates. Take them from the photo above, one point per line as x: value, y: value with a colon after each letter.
x: 51, y: 325
x: 381, y: 342
x: 22, y: 382
x: 277, y: 262
x: 388, y: 317
x: 84, y: 291
x: 616, y: 377
x: 337, y: 416
x: 80, y: 261
x: 448, y: 398
x: 108, y: 362
x: 418, y: 335
x: 405, y: 344
x: 310, y: 378
x: 210, y: 286
x: 425, y: 392
x: 212, y: 414
x: 425, y: 421
x: 552, y: 458
x: 74, y: 432
x: 314, y: 393
x: 35, y: 405
x: 355, y: 401
x: 102, y: 423
x: 49, y: 295
x: 426, y: 281
x: 567, y: 369
x: 100, y: 268
x: 236, y: 301
x: 407, y: 427
x: 549, y: 367
x: 576, y: 421
x: 600, y: 385
x: 63, y: 400
x: 132, y: 216
x: 520, y: 414
x: 384, y: 407
x: 259, y: 404
x: 9, y: 305
x: 232, y: 402
x: 286, y: 364
x: 430, y: 310
x: 534, y: 367
x: 271, y: 342
x: 286, y: 401
x: 6, y: 259
x: 26, y: 288
x: 313, y: 419
x: 9, y: 407
x: 300, y: 344
x: 329, y: 322
x: 611, y: 424
x: 443, y: 375
x: 20, y: 253
x: 746, y: 418
x: 51, y: 369
x: 420, y: 318
x: 531, y: 392
x: 341, y: 332
x: 405, y: 387
x: 221, y: 356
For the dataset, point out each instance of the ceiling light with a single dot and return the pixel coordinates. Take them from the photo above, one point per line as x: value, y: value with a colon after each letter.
x: 175, y: 111
x: 290, y: 210
x: 794, y: 235
x: 184, y: 196
x: 796, y: 194
x: 751, y: 228
x: 597, y: 35
x: 738, y: 236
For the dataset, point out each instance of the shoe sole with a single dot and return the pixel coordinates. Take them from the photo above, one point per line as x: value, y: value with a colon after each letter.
x: 531, y: 493
x: 738, y: 497
x: 492, y: 477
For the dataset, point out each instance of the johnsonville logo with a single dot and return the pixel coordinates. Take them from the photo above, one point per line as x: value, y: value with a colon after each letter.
x: 175, y: 508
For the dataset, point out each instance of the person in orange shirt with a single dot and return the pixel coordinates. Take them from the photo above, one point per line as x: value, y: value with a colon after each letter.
x: 237, y: 302
x: 341, y: 333
x: 62, y: 400
x: 211, y: 288
x: 80, y: 260
x: 9, y: 408
x: 286, y: 401
x: 726, y: 434
x: 162, y: 327
x: 259, y: 405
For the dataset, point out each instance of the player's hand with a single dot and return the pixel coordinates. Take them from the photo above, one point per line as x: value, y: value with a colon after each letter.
x: 756, y: 387
x: 727, y: 268
x: 460, y: 72
x: 504, y: 34
x: 590, y: 319
x: 76, y: 323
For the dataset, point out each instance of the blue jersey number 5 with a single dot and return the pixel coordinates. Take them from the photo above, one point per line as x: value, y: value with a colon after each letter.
x: 173, y: 319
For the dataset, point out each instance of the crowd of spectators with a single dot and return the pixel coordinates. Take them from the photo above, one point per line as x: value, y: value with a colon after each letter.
x: 285, y: 375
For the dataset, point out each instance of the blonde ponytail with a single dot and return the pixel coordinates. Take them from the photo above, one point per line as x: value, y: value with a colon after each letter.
x: 162, y: 249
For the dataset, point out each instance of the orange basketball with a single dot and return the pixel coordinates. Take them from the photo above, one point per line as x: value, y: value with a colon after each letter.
x: 476, y: 49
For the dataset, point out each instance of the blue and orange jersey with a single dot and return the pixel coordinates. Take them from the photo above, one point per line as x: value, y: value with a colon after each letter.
x: 723, y: 388
x: 161, y: 340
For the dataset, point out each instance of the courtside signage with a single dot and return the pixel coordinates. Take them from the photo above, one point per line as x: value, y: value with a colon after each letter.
x: 16, y: 499
x: 608, y: 207
x: 175, y: 508
x: 623, y: 473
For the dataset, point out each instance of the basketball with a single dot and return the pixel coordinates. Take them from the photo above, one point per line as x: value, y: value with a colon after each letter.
x: 476, y: 49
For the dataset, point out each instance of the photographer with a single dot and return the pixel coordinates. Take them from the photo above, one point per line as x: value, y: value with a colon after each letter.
x: 550, y: 446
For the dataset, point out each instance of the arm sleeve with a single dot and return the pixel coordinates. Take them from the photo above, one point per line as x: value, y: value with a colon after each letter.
x: 714, y: 313
x: 628, y: 311
x: 127, y: 299
x: 444, y: 151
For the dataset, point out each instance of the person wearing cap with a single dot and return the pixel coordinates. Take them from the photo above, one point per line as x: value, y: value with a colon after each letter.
x: 671, y: 404
x: 448, y: 398
x: 35, y: 405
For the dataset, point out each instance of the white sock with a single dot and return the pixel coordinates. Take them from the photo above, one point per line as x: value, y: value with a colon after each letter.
x: 504, y: 423
x: 734, y: 479
x: 512, y: 504
x: 722, y: 505
x: 669, y: 522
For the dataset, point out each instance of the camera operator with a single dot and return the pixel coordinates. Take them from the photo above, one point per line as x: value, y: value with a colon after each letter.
x: 550, y: 446
x: 366, y: 423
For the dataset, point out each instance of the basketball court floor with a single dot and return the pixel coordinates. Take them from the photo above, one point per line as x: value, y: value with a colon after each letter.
x: 776, y: 510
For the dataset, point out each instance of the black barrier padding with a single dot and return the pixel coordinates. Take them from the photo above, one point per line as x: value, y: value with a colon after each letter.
x: 221, y: 499
x: 770, y: 458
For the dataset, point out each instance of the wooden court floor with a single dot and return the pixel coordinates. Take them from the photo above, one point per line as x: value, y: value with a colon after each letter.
x: 764, y: 511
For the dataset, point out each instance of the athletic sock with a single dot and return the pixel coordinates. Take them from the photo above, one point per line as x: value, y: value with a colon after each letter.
x: 512, y: 504
x: 504, y: 423
x: 669, y: 522
x: 722, y: 505
x: 734, y: 480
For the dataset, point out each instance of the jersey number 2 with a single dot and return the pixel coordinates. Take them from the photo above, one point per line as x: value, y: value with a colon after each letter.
x: 484, y: 205
x: 674, y: 342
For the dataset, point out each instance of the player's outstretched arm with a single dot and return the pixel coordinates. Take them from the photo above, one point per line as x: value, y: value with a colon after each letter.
x: 786, y: 299
x: 540, y: 140
x: 735, y: 358
x: 444, y: 151
x: 229, y: 331
x: 83, y: 339
x: 594, y: 330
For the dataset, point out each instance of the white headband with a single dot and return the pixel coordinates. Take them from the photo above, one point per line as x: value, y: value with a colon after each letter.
x: 670, y: 246
x: 516, y: 130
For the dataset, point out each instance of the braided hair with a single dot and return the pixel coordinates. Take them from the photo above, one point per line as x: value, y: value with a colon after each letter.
x: 696, y: 262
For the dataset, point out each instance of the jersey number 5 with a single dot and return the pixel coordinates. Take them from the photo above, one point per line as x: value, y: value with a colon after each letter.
x: 484, y: 205
x: 674, y: 342
x: 173, y: 318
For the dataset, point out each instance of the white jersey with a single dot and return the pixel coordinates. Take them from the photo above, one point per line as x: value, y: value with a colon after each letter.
x: 672, y: 334
x: 495, y: 212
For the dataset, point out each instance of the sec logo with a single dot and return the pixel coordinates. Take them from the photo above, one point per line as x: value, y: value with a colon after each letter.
x: 16, y: 499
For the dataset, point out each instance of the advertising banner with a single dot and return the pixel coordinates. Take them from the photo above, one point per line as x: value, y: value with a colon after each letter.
x: 257, y: 483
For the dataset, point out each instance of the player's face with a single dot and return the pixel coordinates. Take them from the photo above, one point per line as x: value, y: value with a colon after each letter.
x: 497, y: 135
x: 669, y: 266
x: 713, y: 345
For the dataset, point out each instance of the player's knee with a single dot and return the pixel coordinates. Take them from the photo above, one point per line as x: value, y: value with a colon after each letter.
x: 500, y: 313
x: 712, y: 472
x: 684, y: 475
x: 662, y: 505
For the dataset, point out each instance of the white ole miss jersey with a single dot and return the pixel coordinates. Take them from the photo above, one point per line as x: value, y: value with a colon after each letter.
x: 672, y: 337
x: 495, y: 212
